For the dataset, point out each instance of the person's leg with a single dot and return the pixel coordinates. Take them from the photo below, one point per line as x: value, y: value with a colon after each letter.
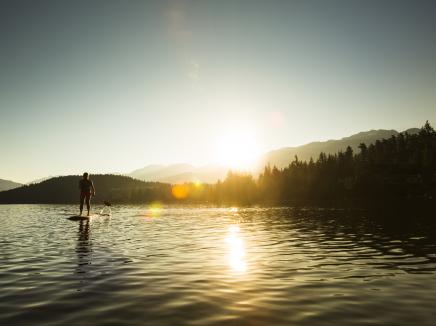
x: 88, y: 204
x: 82, y: 199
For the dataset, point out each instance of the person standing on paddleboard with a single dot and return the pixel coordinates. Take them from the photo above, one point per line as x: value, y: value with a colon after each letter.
x: 86, y: 191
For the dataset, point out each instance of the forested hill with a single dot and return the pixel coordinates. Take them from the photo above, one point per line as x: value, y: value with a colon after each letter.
x: 401, y: 168
x: 65, y: 189
x: 283, y: 156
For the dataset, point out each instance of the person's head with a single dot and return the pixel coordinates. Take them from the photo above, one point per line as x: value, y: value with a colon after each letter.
x: 86, y: 176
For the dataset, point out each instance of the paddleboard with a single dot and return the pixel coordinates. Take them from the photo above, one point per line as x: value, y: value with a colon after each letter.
x: 80, y: 217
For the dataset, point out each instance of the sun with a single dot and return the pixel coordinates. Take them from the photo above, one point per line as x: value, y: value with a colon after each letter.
x: 238, y: 149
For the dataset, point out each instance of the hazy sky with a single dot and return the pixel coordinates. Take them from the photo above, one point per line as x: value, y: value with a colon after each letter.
x: 111, y: 86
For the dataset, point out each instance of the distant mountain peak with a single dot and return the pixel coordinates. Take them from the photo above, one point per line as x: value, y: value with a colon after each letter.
x: 412, y: 131
x: 8, y: 185
x: 372, y: 133
x: 180, y: 172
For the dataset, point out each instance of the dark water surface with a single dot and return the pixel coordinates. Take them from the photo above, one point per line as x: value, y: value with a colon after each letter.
x: 214, y: 266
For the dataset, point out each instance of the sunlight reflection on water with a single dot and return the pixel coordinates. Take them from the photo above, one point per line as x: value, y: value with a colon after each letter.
x: 177, y: 265
x: 236, y: 255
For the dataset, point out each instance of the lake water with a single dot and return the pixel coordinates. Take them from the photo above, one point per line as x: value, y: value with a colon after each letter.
x: 195, y: 266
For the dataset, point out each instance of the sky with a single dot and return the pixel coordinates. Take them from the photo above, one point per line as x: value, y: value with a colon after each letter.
x: 111, y: 86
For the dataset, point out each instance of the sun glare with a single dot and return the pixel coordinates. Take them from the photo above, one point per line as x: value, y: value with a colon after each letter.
x: 238, y: 149
x: 236, y: 250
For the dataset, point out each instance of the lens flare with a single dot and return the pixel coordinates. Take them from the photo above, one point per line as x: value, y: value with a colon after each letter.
x: 153, y: 210
x: 180, y: 191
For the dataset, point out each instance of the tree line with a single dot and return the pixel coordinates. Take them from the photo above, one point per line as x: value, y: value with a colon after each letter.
x: 401, y: 168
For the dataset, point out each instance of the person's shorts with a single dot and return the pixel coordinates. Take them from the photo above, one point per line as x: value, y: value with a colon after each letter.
x: 85, y: 195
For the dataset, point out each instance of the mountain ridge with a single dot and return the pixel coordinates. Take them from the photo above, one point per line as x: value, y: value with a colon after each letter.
x: 8, y: 184
x: 179, y: 173
x: 281, y: 157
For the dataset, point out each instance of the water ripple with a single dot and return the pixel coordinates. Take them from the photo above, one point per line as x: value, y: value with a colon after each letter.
x: 213, y: 266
